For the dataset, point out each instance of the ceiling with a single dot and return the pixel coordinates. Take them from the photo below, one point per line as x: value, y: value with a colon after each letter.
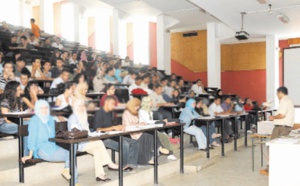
x: 195, y: 14
x: 255, y: 24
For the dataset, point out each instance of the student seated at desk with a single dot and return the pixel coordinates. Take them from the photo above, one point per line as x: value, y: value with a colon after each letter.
x: 79, y: 120
x: 30, y: 95
x: 146, y: 116
x: 175, y: 97
x: 25, y: 43
x: 218, y: 93
x: 80, y: 78
x: 63, y: 78
x: 145, y: 81
x: 186, y: 116
x: 216, y: 109
x: 158, y: 101
x: 24, y: 79
x: 80, y: 93
x: 118, y: 72
x: 7, y: 75
x: 55, y: 55
x: 248, y: 105
x: 20, y: 64
x: 198, y: 87
x: 146, y: 142
x: 103, y: 121
x: 10, y: 102
x: 40, y: 129
x: 57, y: 70
x: 202, y: 110
x: 33, y: 40
x: 239, y: 106
x: 65, y: 99
x: 99, y: 80
x: 47, y: 69
x: 110, y: 91
x: 130, y: 78
x: 109, y: 75
x: 35, y: 69
x: 169, y: 89
x: 57, y: 44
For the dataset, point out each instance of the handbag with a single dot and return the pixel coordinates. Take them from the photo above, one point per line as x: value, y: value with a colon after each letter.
x: 73, y: 134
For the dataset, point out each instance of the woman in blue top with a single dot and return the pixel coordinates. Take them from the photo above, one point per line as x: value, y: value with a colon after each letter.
x: 79, y: 120
x: 109, y: 75
x: 41, y: 128
x: 187, y: 115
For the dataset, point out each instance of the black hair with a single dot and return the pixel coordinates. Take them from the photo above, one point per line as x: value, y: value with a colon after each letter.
x: 33, y: 20
x: 283, y: 90
x: 198, y: 99
x: 108, y: 98
x: 20, y: 59
x: 157, y: 86
x: 177, y: 91
x: 27, y: 91
x: 245, y: 101
x: 31, y: 34
x: 217, y: 97
x: 164, y: 79
x: 23, y: 37
x: 35, y: 59
x: 59, y: 59
x: 74, y: 52
x: 146, y: 76
x: 173, y: 80
x: 7, y: 62
x: 25, y: 72
x: 118, y: 65
x: 67, y: 85
x: 78, y: 76
x: 108, y: 86
x: 46, y: 62
x: 227, y: 97
x: 109, y: 69
x: 10, y: 92
x: 198, y: 80
x: 138, y: 78
x: 65, y: 70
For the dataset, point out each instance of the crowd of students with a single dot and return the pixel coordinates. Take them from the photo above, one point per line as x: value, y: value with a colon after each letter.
x: 73, y: 77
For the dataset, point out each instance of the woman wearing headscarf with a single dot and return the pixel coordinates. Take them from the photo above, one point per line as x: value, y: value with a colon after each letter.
x: 146, y: 116
x: 146, y: 141
x: 79, y: 120
x: 187, y: 115
x: 41, y: 128
x: 80, y: 93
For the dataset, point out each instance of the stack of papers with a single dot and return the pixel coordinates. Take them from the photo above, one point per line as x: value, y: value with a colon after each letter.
x: 286, y: 140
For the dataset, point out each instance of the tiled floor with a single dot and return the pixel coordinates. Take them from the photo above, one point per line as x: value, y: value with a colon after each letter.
x: 233, y: 170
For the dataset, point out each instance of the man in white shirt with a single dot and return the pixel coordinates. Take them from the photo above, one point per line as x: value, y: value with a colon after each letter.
x: 215, y: 109
x: 35, y: 69
x: 198, y: 87
x: 135, y: 85
x: 130, y: 78
x: 146, y: 81
x: 157, y: 102
x: 57, y: 44
x: 63, y: 78
x: 169, y: 90
x: 284, y: 119
x: 24, y: 79
x: 73, y: 59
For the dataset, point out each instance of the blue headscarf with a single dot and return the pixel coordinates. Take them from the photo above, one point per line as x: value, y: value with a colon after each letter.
x: 189, y: 104
x: 37, y: 110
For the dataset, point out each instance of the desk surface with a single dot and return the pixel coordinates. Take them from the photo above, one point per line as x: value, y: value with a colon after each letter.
x: 118, y: 133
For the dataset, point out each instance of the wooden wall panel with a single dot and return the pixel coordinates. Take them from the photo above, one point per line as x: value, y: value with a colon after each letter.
x: 246, y: 56
x: 190, y: 51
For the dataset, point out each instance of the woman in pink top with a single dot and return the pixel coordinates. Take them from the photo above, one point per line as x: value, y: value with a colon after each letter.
x: 146, y: 141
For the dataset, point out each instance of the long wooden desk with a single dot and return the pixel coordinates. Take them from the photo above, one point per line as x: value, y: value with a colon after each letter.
x: 72, y: 142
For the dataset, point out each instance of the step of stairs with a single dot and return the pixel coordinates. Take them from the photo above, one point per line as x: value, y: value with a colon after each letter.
x: 195, y: 161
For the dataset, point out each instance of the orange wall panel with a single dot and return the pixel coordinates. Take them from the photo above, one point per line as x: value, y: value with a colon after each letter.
x: 92, y: 32
x: 190, y: 52
x: 130, y: 43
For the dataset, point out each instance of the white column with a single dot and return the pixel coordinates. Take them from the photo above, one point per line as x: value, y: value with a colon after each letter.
x: 272, y: 68
x: 83, y: 24
x: 163, y: 45
x: 213, y: 56
x: 122, y: 45
x: 46, y: 16
x: 76, y: 14
x: 115, y: 32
